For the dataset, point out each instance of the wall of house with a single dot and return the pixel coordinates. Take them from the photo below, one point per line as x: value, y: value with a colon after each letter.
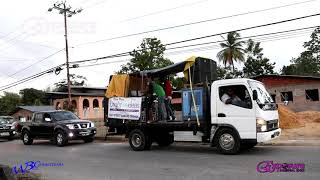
x: 300, y: 102
x: 90, y: 112
x: 22, y: 114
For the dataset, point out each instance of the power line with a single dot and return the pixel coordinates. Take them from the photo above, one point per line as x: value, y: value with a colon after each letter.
x: 289, y: 32
x: 162, y: 11
x: 27, y: 67
x: 247, y: 28
x: 247, y: 37
x: 261, y: 38
x: 197, y: 22
x: 21, y: 81
x: 203, y: 37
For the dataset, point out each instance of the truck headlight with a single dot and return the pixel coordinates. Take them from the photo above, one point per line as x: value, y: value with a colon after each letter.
x: 261, y: 125
x: 91, y: 124
x: 12, y: 127
x: 70, y: 126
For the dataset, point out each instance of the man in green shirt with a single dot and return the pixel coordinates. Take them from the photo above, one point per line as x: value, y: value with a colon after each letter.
x: 159, y: 91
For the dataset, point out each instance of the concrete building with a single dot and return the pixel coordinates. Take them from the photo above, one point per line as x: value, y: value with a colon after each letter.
x: 24, y: 113
x: 87, y: 103
x: 302, y: 92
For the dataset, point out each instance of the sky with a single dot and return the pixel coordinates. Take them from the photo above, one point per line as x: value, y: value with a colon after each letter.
x: 29, y: 33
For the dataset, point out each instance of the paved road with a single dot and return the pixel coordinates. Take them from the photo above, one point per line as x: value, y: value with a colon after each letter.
x: 115, y: 161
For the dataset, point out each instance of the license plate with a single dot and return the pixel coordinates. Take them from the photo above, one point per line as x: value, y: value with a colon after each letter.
x: 4, y: 134
x: 84, y: 133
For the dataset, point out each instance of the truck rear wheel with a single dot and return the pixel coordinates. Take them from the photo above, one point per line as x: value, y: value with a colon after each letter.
x: 26, y: 137
x: 228, y: 141
x: 139, y: 141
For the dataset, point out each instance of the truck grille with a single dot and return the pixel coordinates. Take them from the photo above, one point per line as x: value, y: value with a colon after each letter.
x: 83, y: 125
x: 273, y: 124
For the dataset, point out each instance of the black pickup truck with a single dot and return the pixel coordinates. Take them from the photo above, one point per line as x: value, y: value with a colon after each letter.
x: 7, y: 127
x: 57, y: 126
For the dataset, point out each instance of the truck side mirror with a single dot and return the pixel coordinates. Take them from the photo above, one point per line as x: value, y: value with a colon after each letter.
x: 254, y: 95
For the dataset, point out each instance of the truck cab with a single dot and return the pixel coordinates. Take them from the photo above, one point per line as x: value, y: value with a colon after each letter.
x: 255, y: 120
x: 230, y: 114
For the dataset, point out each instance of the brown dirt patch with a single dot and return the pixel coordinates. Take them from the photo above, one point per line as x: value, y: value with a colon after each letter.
x: 288, y: 119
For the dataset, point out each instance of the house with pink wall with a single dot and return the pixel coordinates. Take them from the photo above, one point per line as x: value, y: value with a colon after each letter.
x: 87, y: 102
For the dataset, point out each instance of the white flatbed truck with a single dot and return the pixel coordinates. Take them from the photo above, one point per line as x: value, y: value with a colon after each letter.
x: 204, y: 117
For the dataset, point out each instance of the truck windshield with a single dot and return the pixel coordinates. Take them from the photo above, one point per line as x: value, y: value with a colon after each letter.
x: 6, y: 120
x: 263, y: 95
x: 64, y: 115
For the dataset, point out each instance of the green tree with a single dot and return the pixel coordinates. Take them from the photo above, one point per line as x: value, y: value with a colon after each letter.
x: 232, y: 50
x: 255, y: 63
x: 75, y: 80
x: 227, y: 73
x: 9, y: 102
x: 31, y: 96
x: 308, y: 63
x: 148, y: 56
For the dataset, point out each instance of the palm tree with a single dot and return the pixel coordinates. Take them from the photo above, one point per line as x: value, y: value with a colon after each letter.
x: 232, y: 50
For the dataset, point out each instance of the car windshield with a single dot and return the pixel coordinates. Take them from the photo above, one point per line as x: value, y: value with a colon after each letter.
x: 64, y: 115
x: 263, y: 95
x: 6, y: 120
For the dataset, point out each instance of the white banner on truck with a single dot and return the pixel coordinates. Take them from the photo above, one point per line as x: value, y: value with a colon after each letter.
x: 124, y: 108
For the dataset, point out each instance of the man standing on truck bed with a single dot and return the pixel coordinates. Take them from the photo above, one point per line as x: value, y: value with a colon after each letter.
x: 168, y: 91
x: 158, y: 90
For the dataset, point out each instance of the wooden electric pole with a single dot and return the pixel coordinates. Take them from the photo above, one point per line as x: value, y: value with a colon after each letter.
x: 67, y: 12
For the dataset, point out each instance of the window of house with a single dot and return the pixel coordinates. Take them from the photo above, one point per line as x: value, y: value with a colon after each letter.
x: 237, y: 95
x: 96, y: 107
x: 312, y: 94
x: 273, y: 96
x: 287, y: 96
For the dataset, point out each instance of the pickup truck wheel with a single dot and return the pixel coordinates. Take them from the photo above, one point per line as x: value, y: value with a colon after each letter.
x: 228, y: 141
x: 26, y: 138
x: 139, y: 141
x: 61, y: 138
x: 88, y: 140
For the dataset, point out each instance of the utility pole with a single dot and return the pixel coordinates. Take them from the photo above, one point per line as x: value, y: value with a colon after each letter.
x: 66, y: 11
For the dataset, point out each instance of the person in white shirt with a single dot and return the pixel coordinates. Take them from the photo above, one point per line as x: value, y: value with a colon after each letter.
x: 231, y: 98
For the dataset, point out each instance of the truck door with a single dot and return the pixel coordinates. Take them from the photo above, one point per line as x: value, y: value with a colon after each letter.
x: 47, y: 127
x: 36, y: 124
x: 234, y: 107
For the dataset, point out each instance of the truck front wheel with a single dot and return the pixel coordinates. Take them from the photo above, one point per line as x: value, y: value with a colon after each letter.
x: 60, y: 138
x: 139, y: 141
x: 228, y: 142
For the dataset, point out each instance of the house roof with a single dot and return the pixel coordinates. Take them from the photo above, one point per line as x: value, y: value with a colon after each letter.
x: 94, y: 94
x: 287, y: 76
x: 36, y: 108
x: 86, y: 87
